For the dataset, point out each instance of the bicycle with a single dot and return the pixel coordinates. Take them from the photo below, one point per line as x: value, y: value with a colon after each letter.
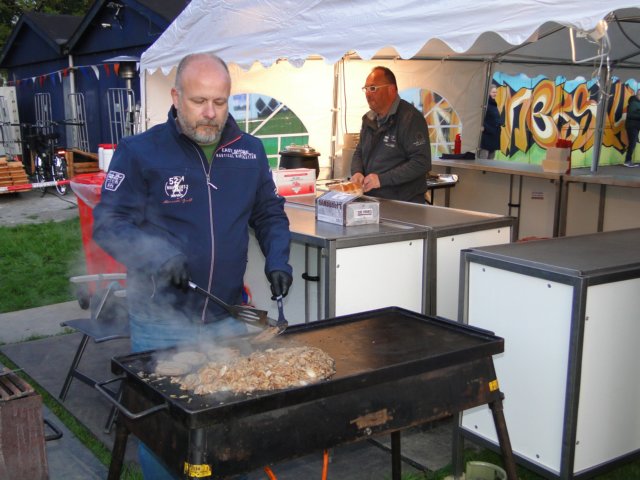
x: 49, y: 162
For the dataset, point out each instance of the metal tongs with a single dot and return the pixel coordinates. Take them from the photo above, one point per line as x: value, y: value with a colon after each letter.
x: 249, y: 315
x: 281, y: 323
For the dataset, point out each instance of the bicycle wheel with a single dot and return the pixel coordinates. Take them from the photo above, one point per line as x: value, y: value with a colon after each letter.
x: 39, y: 172
x: 59, y: 172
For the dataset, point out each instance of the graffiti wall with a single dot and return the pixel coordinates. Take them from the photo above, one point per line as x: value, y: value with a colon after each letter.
x: 537, y: 112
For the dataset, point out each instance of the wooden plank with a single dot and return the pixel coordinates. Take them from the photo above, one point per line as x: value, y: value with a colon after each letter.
x: 23, y: 454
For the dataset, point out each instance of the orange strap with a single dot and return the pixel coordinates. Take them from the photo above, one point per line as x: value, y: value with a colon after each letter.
x: 325, y: 464
x: 325, y: 468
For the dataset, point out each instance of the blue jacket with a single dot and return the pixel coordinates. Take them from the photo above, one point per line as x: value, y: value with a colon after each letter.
x: 490, y: 139
x: 162, y: 198
x: 633, y: 113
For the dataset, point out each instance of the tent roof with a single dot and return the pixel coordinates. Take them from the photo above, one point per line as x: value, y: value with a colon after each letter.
x: 249, y: 31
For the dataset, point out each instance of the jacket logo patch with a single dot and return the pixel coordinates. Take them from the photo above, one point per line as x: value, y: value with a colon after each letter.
x: 114, y: 180
x: 389, y: 140
x: 420, y: 140
x: 242, y: 153
x: 175, y: 187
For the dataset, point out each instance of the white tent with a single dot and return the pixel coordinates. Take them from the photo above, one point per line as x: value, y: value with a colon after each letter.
x: 313, y: 55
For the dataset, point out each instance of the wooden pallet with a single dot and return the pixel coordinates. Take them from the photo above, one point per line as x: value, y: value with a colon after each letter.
x: 79, y: 161
x: 12, y: 173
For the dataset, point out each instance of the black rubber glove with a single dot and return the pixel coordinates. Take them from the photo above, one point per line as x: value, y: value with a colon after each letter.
x: 176, y: 272
x: 280, y: 283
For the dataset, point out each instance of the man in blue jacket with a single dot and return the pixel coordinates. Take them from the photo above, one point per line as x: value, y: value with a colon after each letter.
x: 177, y: 204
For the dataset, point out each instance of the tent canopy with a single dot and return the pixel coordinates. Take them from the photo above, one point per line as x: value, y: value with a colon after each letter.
x: 451, y: 47
x: 264, y: 31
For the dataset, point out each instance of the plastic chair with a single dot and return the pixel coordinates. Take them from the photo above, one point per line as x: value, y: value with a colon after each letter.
x: 109, y: 320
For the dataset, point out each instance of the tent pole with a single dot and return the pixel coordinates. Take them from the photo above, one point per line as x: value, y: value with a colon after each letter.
x: 334, y: 117
x: 72, y: 76
x: 602, y: 106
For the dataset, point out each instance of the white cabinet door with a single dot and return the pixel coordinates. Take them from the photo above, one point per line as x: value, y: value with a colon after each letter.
x: 378, y: 276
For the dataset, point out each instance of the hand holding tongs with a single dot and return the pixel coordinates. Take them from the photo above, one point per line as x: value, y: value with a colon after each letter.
x: 250, y: 315
x: 282, y: 323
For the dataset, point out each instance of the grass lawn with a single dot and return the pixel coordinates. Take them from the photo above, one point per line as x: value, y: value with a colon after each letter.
x: 36, y: 262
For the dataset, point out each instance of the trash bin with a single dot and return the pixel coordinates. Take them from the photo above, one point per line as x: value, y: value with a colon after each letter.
x: 87, y: 188
x: 484, y: 471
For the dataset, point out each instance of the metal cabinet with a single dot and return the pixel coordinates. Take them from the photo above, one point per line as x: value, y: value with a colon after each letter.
x: 410, y: 259
x: 340, y: 270
x: 568, y: 311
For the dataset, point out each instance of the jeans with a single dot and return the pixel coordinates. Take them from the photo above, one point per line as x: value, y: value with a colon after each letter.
x: 486, y: 154
x: 632, y: 135
x: 165, y: 331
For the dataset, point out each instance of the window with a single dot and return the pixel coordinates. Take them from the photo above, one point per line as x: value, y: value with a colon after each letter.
x: 442, y: 120
x: 270, y: 120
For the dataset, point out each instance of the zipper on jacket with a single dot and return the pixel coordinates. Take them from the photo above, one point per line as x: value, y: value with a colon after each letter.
x: 207, y: 174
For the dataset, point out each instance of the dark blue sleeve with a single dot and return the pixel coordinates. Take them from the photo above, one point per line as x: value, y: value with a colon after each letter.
x: 269, y: 220
x: 119, y: 218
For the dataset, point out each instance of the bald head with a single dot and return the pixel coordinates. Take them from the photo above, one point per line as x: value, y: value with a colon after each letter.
x: 206, y: 57
x: 201, y: 97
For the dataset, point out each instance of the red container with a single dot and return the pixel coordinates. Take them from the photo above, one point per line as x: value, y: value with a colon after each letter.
x: 87, y: 188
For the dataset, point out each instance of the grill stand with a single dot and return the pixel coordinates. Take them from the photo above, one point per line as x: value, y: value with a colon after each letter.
x: 461, y: 387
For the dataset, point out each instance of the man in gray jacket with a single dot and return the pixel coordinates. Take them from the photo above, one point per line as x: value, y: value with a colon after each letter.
x: 393, y: 157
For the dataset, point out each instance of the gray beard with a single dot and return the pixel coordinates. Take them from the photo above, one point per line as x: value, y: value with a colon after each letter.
x: 199, y: 138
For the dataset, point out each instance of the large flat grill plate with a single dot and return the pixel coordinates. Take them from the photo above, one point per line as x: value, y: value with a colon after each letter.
x: 368, y: 348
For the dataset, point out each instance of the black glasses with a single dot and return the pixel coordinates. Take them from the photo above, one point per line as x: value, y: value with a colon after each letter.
x: 374, y: 88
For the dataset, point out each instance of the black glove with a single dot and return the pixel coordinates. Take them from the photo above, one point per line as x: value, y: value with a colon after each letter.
x: 280, y: 283
x: 176, y: 272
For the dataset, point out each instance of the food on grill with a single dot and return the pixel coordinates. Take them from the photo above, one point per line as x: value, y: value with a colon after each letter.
x: 170, y: 368
x: 218, y: 354
x: 347, y: 187
x: 271, y: 369
x: 190, y: 358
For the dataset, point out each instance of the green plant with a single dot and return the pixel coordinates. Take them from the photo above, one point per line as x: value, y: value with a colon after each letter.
x: 36, y: 262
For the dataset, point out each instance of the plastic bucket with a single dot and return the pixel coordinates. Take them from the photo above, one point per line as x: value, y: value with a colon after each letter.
x: 87, y: 188
x: 484, y: 471
x: 105, y: 152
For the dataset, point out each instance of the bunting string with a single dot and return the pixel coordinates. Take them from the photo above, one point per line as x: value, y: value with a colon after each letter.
x: 87, y: 71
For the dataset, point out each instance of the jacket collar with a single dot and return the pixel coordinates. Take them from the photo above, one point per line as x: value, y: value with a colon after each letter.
x: 375, y: 122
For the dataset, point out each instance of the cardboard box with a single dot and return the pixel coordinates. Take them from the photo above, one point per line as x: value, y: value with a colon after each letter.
x: 558, y: 160
x: 345, y: 209
x: 295, y: 181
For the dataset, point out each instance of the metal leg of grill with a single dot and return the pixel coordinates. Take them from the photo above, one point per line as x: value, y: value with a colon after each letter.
x: 458, y: 448
x: 503, y: 438
x: 117, y: 455
x: 396, y: 456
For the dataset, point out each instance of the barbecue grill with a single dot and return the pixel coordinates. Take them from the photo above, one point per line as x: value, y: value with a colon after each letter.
x: 394, y: 369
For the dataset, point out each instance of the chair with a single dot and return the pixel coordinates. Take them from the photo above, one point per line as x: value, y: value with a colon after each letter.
x: 108, y: 320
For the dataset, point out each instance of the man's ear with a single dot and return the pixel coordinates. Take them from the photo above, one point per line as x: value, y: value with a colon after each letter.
x: 175, y: 96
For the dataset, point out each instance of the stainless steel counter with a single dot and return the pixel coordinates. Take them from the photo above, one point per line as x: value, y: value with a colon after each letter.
x: 442, y: 233
x: 305, y: 229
